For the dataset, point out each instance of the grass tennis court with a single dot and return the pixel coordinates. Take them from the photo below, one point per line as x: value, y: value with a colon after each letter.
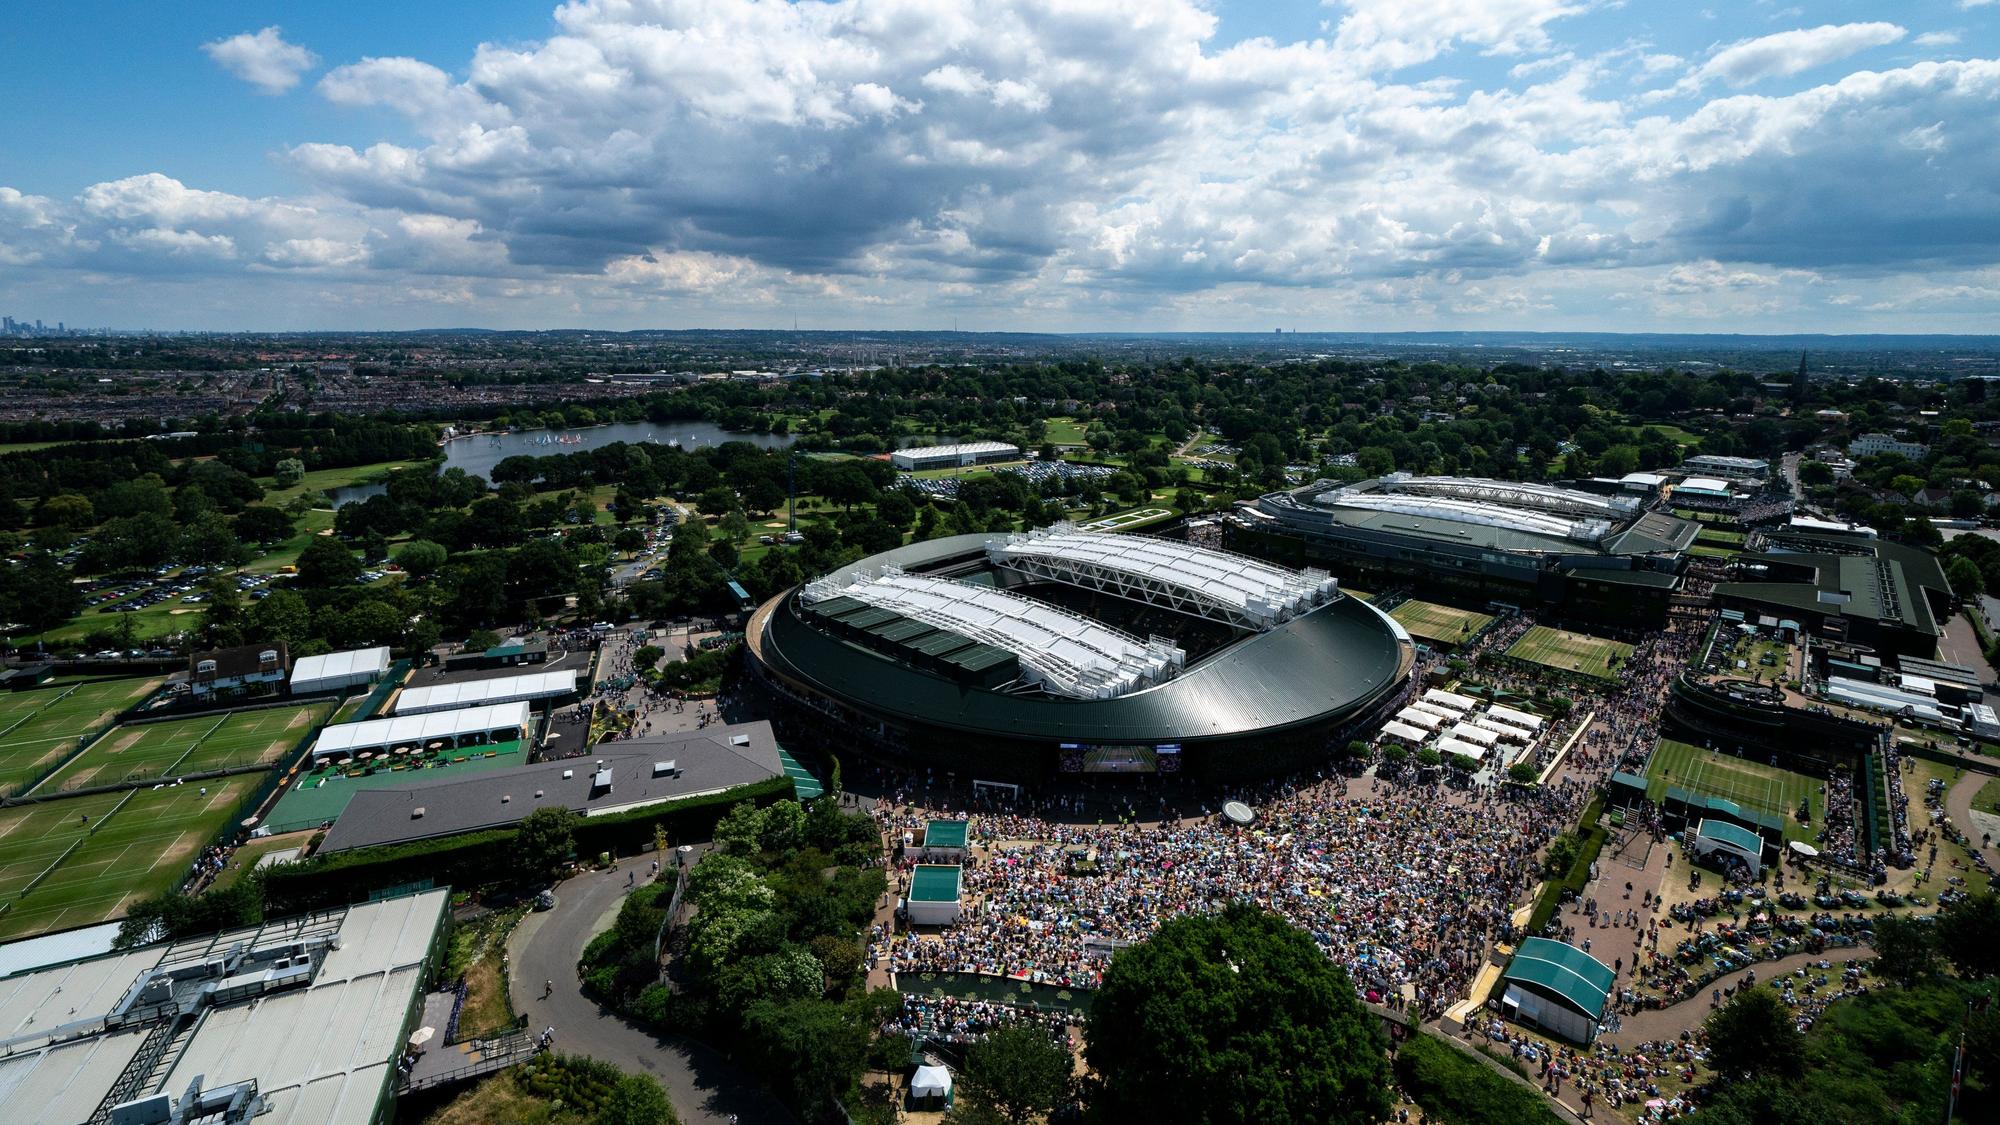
x: 1580, y: 653
x: 175, y: 747
x: 1754, y: 785
x: 142, y: 848
x: 38, y: 727
x: 1430, y: 621
x: 34, y: 836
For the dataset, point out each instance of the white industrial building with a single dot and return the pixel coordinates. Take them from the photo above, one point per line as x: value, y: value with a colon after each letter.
x: 535, y: 687
x: 299, y: 1021
x: 954, y: 456
x: 467, y: 726
x: 337, y: 671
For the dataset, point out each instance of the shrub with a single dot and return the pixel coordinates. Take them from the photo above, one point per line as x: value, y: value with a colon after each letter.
x: 1462, y: 1090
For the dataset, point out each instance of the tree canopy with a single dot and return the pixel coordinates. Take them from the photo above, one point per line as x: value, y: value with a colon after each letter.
x: 1233, y: 1017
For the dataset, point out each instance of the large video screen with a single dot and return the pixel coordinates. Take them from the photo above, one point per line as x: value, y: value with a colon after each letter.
x: 1120, y: 758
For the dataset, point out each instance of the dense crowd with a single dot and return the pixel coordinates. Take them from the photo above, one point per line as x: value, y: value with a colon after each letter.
x: 953, y: 1020
x: 1403, y: 885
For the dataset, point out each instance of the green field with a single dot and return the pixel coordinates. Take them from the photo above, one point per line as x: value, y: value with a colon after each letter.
x: 1764, y: 788
x: 1580, y: 653
x: 322, y: 480
x: 176, y: 747
x: 34, y: 836
x: 1430, y: 621
x: 136, y: 844
x: 38, y: 727
x: 1063, y: 431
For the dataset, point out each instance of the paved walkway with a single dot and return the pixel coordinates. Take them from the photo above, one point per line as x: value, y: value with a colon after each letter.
x: 704, y: 1086
x: 1655, y: 1024
x: 1958, y: 805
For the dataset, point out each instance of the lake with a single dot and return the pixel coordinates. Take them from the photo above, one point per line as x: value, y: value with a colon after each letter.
x: 478, y: 454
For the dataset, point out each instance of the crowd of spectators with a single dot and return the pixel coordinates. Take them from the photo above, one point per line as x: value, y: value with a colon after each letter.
x: 1404, y: 885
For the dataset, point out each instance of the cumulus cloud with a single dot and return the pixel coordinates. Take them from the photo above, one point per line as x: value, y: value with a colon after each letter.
x: 1084, y: 161
x: 1793, y: 52
x: 263, y: 59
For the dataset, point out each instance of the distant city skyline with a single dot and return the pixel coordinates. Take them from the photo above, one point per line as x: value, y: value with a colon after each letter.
x: 1017, y: 165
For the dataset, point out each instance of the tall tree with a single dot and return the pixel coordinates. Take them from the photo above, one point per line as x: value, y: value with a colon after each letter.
x: 1020, y: 1072
x: 1754, y: 1034
x: 1233, y: 1017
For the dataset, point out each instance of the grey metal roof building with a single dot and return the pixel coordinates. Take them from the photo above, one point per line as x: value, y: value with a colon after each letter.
x: 304, y: 1017
x: 921, y: 690
x: 1848, y: 587
x: 1507, y: 540
x: 642, y: 771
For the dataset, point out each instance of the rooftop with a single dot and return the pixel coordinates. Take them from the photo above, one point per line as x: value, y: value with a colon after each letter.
x: 320, y: 1039
x: 1735, y: 835
x: 960, y: 450
x: 1207, y: 582
x: 415, y: 730
x: 1495, y: 515
x: 340, y: 665
x: 1067, y: 653
x: 945, y: 834
x: 1575, y: 977
x: 644, y: 771
x: 934, y: 882
x: 497, y: 689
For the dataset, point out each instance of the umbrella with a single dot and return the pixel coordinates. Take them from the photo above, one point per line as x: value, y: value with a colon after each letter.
x: 438, y: 745
x: 249, y: 822
x: 421, y: 1036
x: 368, y: 755
x: 1803, y: 848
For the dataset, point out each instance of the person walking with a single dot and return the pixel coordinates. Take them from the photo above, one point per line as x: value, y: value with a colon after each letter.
x: 548, y: 989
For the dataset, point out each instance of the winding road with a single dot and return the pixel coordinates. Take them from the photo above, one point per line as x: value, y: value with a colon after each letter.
x: 706, y: 1088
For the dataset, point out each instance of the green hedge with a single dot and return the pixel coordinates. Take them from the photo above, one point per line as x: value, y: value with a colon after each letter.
x: 1463, y: 1090
x: 474, y: 858
x: 1592, y: 842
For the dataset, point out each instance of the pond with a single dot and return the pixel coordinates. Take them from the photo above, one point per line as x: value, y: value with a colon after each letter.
x: 478, y: 454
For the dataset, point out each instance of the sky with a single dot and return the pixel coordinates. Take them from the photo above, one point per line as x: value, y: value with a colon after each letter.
x: 1004, y: 165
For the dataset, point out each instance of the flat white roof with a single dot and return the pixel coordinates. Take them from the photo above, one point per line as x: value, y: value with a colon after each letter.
x: 1470, y: 732
x: 1706, y: 484
x: 1516, y: 718
x: 1502, y: 730
x: 323, y: 1053
x: 1066, y: 653
x: 340, y: 665
x: 1417, y: 718
x: 1449, y: 700
x: 1450, y: 746
x: 958, y: 450
x: 53, y: 949
x: 505, y: 689
x: 416, y: 729
x: 1251, y: 588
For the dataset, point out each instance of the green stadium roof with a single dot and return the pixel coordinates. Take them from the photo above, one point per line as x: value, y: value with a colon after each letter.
x: 934, y: 882
x: 944, y: 834
x: 1732, y: 834
x: 1565, y: 972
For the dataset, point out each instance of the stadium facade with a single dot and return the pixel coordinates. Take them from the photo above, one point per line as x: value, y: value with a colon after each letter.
x: 1604, y: 557
x: 1021, y: 657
